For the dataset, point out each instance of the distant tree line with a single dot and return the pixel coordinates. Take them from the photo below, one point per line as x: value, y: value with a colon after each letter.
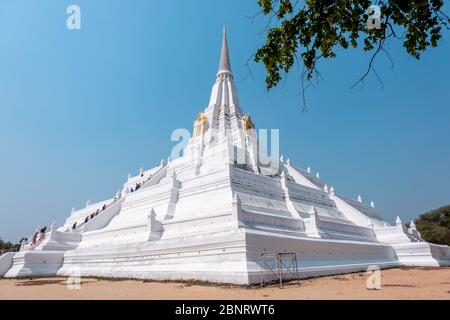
x: 8, y: 246
x: 434, y: 226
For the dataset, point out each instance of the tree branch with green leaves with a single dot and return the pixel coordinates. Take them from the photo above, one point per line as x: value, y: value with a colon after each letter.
x: 317, y: 29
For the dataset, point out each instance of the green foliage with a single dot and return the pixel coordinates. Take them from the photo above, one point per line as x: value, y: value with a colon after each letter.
x: 8, y: 246
x: 434, y: 226
x: 319, y: 28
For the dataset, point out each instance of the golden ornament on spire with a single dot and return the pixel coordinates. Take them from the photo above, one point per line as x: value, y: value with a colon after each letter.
x: 247, y: 123
x: 199, y: 124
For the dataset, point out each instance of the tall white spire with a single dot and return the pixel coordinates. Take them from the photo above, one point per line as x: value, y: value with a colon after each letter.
x: 223, y: 114
x: 224, y: 65
x: 224, y: 92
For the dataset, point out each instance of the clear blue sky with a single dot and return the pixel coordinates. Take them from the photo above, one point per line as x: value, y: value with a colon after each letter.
x: 81, y: 109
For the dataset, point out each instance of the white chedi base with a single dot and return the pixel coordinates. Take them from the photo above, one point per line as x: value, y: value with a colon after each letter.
x: 35, y: 263
x: 422, y: 254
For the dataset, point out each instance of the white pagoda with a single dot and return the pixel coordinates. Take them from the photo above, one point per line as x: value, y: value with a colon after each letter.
x: 222, y: 212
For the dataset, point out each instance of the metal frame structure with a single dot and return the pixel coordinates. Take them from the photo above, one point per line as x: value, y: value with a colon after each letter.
x: 291, y: 268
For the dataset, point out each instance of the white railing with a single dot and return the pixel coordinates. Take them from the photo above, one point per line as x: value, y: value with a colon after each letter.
x: 104, y: 217
x: 6, y: 261
x: 155, y: 178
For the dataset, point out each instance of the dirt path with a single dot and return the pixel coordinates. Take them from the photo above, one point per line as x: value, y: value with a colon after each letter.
x: 403, y: 283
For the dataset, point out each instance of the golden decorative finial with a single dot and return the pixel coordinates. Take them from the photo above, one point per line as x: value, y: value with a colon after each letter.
x: 199, y: 122
x: 247, y: 123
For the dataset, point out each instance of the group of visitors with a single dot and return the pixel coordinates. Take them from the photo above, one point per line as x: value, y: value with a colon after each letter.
x: 37, y: 238
x: 94, y: 214
x: 136, y: 187
x: 140, y: 184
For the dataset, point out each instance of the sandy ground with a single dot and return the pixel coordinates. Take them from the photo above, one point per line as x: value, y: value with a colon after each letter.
x: 402, y: 283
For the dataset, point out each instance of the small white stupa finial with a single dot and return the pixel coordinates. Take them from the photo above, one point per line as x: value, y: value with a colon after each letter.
x: 73, y: 209
x: 174, y: 176
x: 236, y: 198
x: 141, y: 170
x: 412, y: 225
x: 332, y: 192
x: 281, y: 158
x: 372, y: 204
x: 129, y: 176
x: 162, y: 162
x: 151, y: 218
x: 398, y: 220
x: 152, y: 214
x: 288, y: 162
x: 308, y: 169
x: 169, y: 159
x: 359, y: 199
x: 318, y: 175
x: 312, y: 210
x: 325, y: 188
